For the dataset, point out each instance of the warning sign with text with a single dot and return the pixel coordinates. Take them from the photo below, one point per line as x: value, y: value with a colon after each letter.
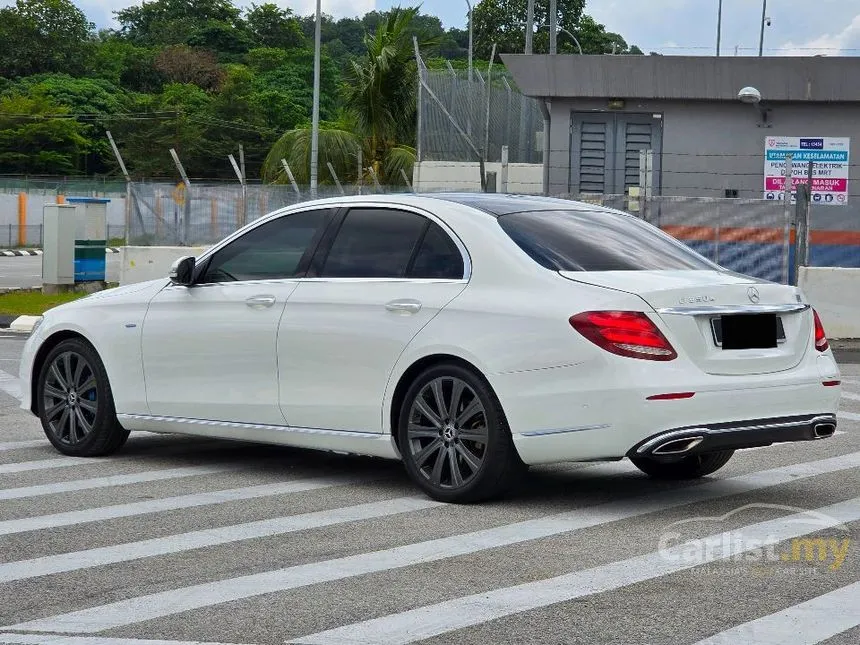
x: 829, y: 157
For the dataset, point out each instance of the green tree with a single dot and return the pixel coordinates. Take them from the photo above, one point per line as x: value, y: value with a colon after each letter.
x: 35, y: 137
x: 271, y: 26
x: 379, y: 98
x: 214, y: 24
x: 43, y: 36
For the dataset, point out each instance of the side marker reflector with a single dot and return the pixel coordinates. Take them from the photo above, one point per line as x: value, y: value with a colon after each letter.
x: 672, y: 396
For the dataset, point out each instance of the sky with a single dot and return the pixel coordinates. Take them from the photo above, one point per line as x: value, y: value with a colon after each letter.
x: 798, y: 27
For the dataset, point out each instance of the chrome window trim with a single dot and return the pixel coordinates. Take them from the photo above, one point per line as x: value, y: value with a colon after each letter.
x: 336, y: 204
x: 715, y: 310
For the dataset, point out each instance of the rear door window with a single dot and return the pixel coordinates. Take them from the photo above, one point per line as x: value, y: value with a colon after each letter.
x: 597, y: 240
x: 374, y: 243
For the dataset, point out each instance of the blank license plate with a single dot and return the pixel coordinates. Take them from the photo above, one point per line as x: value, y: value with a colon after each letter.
x: 748, y: 331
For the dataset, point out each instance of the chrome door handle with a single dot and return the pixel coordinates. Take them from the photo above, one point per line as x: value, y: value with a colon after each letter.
x: 260, y: 302
x: 404, y: 306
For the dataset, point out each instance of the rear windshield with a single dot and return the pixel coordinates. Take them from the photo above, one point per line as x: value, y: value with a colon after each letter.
x: 597, y: 240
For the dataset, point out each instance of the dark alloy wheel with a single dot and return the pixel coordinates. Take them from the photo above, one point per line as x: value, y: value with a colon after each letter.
x: 454, y: 438
x: 75, y: 402
x: 691, y: 467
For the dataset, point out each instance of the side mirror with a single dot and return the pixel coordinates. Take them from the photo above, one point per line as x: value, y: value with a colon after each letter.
x: 182, y: 271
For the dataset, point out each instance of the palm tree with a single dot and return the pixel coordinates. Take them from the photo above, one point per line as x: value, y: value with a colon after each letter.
x: 379, y: 112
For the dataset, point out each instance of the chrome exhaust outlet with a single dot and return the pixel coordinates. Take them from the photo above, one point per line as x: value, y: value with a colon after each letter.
x: 824, y: 430
x: 678, y: 446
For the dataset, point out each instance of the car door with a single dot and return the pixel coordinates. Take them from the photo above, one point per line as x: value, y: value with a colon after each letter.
x: 209, y: 350
x: 382, y: 276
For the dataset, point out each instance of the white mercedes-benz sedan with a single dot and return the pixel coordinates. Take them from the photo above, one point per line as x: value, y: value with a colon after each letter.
x: 468, y: 335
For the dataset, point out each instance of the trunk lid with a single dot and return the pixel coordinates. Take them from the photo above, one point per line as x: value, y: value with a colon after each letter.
x: 692, y: 303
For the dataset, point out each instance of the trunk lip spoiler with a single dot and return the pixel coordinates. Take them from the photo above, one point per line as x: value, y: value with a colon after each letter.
x: 716, y: 310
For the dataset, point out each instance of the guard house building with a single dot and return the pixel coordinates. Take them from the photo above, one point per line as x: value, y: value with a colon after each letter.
x: 706, y: 141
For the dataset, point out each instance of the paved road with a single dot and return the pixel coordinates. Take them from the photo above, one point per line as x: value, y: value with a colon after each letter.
x: 185, y: 540
x: 26, y: 271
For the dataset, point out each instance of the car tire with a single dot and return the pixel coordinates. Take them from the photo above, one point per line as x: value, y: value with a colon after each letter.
x: 75, y: 402
x: 690, y: 467
x: 466, y: 453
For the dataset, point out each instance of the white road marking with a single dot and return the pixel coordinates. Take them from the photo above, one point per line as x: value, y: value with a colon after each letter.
x: 175, y: 601
x: 193, y: 500
x: 850, y: 396
x: 53, y: 639
x: 445, y: 617
x: 18, y: 445
x: 51, y: 564
x: 805, y: 624
x: 850, y: 381
x: 850, y: 416
x: 10, y: 385
x: 112, y: 480
x: 45, y: 464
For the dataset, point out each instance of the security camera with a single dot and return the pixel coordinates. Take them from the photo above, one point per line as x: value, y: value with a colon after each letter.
x: 750, y: 95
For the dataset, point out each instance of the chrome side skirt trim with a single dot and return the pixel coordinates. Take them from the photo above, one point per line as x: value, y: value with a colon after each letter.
x: 716, y: 310
x: 250, y: 426
x: 544, y: 433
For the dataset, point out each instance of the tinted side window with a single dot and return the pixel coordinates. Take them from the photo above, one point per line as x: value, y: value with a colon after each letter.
x: 374, y: 243
x: 437, y: 257
x: 597, y: 240
x: 269, y: 252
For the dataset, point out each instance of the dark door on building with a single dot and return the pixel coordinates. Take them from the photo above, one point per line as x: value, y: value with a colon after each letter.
x: 605, y: 147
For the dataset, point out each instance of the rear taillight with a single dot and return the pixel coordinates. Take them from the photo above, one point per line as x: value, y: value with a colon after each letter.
x: 821, y: 343
x: 626, y: 333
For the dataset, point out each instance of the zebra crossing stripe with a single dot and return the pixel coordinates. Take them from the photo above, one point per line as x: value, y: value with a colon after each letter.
x: 445, y: 617
x: 112, y: 480
x: 36, y: 567
x: 850, y: 396
x: 19, y: 445
x: 44, y: 464
x: 53, y: 639
x: 175, y: 601
x: 849, y: 416
x: 193, y: 500
x: 805, y: 624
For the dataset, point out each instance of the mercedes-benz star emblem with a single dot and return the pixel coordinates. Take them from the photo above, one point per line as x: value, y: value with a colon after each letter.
x: 753, y: 294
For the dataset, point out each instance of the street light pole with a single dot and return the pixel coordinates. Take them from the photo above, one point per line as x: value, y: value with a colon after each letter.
x: 315, y: 127
x: 471, y: 41
x: 553, y: 27
x: 763, y: 18
x: 719, y: 25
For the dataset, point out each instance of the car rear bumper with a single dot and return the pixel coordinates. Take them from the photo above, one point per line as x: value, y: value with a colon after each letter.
x: 576, y: 414
x: 682, y: 442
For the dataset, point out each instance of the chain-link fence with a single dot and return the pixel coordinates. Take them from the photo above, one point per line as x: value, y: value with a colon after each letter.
x: 166, y: 214
x: 33, y: 235
x: 463, y: 120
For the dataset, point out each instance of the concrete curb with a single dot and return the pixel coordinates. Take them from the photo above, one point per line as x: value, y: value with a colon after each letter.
x: 10, y: 253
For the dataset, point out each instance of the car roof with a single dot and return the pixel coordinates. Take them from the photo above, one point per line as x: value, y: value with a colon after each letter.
x: 493, y: 204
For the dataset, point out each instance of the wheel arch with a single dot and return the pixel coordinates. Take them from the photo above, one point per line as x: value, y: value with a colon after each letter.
x: 410, y: 374
x: 42, y: 353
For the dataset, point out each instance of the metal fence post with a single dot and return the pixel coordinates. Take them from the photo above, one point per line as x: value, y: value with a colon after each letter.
x: 786, y: 238
x: 503, y: 179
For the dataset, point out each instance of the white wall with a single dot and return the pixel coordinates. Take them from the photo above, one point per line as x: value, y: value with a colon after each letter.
x: 455, y: 176
x: 142, y: 263
x: 835, y: 294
